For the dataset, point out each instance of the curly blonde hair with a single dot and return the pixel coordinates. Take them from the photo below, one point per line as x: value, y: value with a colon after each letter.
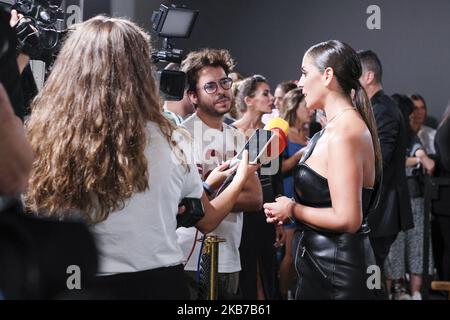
x: 88, y: 125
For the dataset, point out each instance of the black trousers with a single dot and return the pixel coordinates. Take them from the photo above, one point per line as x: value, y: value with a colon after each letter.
x: 257, y: 252
x: 168, y: 283
x: 381, y: 246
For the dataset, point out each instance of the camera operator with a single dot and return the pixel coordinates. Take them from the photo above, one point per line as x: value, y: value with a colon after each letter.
x: 22, y: 59
x: 28, y: 245
x: 16, y: 155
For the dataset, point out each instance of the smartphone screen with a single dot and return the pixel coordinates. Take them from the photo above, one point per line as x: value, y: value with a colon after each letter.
x: 256, y: 145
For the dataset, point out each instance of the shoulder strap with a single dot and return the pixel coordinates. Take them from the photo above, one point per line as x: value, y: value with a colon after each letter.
x: 311, y: 145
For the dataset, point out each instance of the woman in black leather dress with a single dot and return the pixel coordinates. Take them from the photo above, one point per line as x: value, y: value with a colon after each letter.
x: 334, y: 181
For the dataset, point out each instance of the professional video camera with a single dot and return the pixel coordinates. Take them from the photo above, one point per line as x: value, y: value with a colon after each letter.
x: 172, y: 22
x: 37, y: 32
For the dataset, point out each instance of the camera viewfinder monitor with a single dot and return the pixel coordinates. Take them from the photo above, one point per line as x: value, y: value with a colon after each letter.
x: 173, y: 22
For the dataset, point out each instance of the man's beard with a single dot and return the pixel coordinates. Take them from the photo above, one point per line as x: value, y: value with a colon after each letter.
x: 211, y: 110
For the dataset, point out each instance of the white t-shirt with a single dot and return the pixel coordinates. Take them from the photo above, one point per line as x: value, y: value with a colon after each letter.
x: 142, y: 235
x: 211, y: 147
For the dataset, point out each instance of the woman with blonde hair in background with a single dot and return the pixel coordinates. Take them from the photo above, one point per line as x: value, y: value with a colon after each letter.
x: 280, y: 91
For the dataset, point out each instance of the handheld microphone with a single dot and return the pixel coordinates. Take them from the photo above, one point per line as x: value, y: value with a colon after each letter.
x: 265, y: 144
x: 280, y: 128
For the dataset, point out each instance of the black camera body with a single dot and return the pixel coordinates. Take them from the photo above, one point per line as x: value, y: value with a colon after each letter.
x: 37, y: 31
x: 193, y: 213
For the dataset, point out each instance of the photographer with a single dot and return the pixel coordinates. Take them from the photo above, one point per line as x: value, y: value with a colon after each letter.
x: 16, y: 155
x: 22, y: 59
x: 28, y: 245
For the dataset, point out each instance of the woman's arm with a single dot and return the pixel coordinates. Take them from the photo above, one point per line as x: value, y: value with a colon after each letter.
x: 16, y: 154
x: 412, y: 161
x: 345, y: 180
x: 22, y: 59
x: 217, y: 209
x: 250, y: 197
x: 288, y: 164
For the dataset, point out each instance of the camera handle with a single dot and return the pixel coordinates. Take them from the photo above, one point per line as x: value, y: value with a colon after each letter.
x: 168, y: 54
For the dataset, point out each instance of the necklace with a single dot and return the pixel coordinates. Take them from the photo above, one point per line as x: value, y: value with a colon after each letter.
x: 339, y: 114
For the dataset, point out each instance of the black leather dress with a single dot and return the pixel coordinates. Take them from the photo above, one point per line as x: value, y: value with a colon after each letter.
x: 329, y: 264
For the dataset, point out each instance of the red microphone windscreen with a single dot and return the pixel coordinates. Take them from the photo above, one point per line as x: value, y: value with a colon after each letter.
x: 275, y: 146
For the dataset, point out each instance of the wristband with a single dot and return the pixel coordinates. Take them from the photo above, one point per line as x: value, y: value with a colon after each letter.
x: 208, y: 189
x: 291, y: 210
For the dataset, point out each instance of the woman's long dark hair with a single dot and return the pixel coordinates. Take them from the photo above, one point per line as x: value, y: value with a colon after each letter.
x: 347, y: 68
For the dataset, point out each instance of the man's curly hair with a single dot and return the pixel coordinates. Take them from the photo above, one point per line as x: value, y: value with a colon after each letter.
x: 196, y: 60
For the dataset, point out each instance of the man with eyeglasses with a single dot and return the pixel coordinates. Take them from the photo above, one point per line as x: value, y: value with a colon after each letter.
x: 214, y: 142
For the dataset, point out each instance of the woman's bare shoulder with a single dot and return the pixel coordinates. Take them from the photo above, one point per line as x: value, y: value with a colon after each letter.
x: 350, y: 128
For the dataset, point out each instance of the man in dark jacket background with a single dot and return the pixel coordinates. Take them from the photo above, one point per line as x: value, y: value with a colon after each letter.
x: 393, y: 213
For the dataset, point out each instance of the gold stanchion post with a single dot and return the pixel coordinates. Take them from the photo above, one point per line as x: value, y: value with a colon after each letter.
x: 211, y: 250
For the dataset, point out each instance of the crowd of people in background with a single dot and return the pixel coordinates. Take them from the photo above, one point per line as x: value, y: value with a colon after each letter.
x: 101, y: 148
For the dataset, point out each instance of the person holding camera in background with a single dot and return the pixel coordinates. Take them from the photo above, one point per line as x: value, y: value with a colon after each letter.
x: 16, y: 154
x: 26, y: 242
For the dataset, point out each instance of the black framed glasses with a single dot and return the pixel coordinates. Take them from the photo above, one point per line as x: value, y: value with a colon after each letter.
x: 211, y: 87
